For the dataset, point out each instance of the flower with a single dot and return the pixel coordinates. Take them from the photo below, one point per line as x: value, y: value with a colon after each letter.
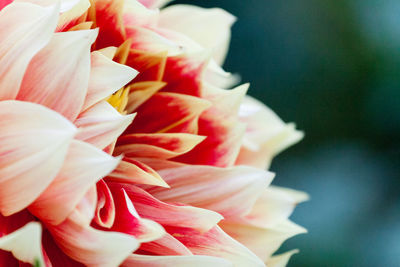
x: 122, y: 145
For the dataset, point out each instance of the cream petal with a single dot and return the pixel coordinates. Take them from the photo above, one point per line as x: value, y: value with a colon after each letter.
x: 229, y: 191
x: 266, y: 134
x: 101, y: 124
x: 25, y: 243
x: 61, y: 70
x: 281, y: 260
x: 275, y: 205
x: 262, y: 241
x: 209, y: 27
x: 106, y: 77
x: 84, y: 166
x: 33, y: 146
x: 24, y: 30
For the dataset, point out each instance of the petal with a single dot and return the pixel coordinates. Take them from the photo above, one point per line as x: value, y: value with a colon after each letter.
x: 229, y: 191
x: 34, y: 143
x: 132, y: 171
x: 262, y: 241
x: 162, y: 145
x: 216, y: 243
x: 281, y: 260
x: 221, y: 126
x: 140, y: 92
x: 154, y: 3
x: 175, y: 261
x: 173, y: 108
x: 168, y: 214
x: 106, y: 77
x: 274, y: 206
x: 72, y: 11
x: 165, y: 246
x: 150, y: 65
x: 150, y: 41
x: 101, y: 124
x: 25, y: 243
x: 129, y: 222
x: 105, y: 209
x: 266, y: 134
x: 90, y: 246
x: 24, y: 30
x: 183, y: 73
x: 61, y: 70
x: 209, y: 27
x: 84, y: 166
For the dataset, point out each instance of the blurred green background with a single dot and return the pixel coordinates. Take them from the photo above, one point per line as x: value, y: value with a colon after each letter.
x: 333, y: 68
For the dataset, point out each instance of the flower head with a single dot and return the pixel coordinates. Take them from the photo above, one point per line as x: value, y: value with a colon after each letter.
x: 120, y: 143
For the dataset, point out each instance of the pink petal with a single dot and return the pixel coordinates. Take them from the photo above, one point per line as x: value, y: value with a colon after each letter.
x: 84, y: 166
x: 129, y: 222
x: 24, y: 30
x: 90, y: 246
x: 33, y: 146
x: 101, y: 124
x: 61, y: 70
x: 168, y: 214
x: 231, y: 192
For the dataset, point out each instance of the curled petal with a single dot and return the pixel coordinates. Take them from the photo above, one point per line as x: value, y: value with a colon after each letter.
x: 33, y: 146
x: 61, y: 70
x: 24, y: 30
x: 84, y: 166
x: 25, y: 243
x: 105, y: 209
x: 228, y: 191
x: 101, y: 124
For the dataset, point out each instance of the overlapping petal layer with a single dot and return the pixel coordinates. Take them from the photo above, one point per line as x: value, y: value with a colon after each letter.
x: 117, y: 126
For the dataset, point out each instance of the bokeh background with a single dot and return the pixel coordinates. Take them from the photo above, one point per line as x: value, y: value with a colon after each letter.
x: 333, y: 67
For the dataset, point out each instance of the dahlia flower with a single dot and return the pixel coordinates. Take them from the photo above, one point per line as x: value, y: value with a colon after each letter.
x: 120, y: 143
